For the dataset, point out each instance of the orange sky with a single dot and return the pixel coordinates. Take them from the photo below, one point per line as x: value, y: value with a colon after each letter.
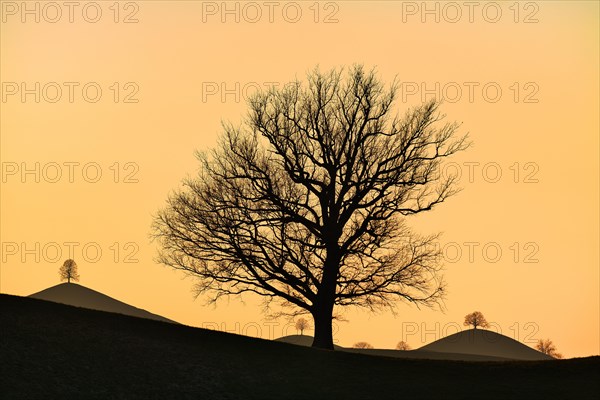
x: 522, y: 79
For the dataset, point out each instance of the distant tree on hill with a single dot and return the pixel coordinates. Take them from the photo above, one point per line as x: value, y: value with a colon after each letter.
x: 68, y: 271
x: 476, y: 319
x: 402, y: 345
x: 547, y: 347
x: 301, y: 325
x: 362, y: 345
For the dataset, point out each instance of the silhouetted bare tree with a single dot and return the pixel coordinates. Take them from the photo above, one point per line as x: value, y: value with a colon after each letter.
x: 301, y: 325
x: 476, y: 319
x: 362, y: 345
x: 307, y: 201
x: 547, y: 347
x: 68, y: 271
x: 402, y: 345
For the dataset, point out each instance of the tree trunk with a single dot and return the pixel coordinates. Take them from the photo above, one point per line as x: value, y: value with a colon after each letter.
x: 323, y: 307
x: 323, y: 328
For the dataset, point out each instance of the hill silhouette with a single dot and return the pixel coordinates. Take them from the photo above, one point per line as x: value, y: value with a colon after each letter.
x: 463, y: 346
x: 485, y: 343
x: 306, y: 341
x: 51, y: 350
x: 81, y: 296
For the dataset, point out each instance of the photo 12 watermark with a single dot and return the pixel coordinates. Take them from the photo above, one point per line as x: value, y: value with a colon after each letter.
x: 268, y: 330
x: 452, y: 12
x: 52, y: 252
x: 55, y: 12
x: 253, y: 12
x: 488, y: 252
x: 470, y: 91
x: 423, y: 332
x: 69, y: 172
x: 69, y: 92
x: 236, y: 91
x: 518, y: 172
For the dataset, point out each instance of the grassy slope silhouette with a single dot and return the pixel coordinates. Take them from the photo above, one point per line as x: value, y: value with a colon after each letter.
x: 51, y: 350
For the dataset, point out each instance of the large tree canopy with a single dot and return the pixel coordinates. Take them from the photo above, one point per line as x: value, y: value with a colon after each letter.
x: 307, y: 200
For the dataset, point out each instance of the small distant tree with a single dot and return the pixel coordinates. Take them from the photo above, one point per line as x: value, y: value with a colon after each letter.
x: 68, y: 271
x: 301, y: 325
x: 402, y: 345
x: 476, y: 319
x: 362, y: 345
x: 547, y: 347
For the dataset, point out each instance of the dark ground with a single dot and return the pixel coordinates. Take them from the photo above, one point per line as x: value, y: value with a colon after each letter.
x: 54, y: 351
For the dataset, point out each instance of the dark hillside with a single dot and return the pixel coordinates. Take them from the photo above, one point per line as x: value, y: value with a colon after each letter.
x: 51, y: 350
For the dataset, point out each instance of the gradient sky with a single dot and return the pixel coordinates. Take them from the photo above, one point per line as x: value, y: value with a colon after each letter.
x: 522, y: 79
